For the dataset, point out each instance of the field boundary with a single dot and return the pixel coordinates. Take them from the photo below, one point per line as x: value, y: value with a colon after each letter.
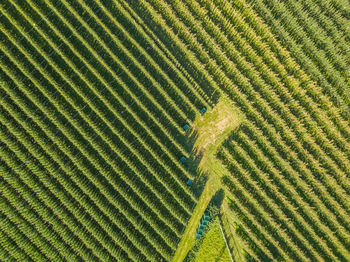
x: 227, y: 246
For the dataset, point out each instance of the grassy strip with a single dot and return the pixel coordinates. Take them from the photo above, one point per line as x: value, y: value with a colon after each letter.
x: 208, y: 133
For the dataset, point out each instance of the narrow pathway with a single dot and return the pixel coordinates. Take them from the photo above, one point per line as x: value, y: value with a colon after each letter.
x: 211, y: 129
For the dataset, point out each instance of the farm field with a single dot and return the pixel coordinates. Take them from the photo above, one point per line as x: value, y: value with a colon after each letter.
x: 110, y: 109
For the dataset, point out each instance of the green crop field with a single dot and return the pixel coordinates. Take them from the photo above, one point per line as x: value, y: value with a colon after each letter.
x: 109, y: 108
x: 212, y: 247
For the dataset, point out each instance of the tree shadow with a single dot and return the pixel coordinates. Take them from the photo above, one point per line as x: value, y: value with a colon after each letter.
x: 155, y: 39
x: 218, y: 198
x: 211, y: 211
x: 200, y: 178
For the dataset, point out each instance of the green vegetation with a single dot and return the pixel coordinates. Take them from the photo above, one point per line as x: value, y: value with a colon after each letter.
x: 208, y: 133
x: 212, y: 246
x: 229, y: 225
x: 94, y: 97
x: 89, y: 155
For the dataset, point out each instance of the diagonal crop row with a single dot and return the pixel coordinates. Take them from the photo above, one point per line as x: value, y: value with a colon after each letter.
x: 134, y: 121
x: 86, y: 167
x: 270, y: 95
x: 90, y: 190
x: 309, y: 63
x: 281, y: 64
x: 222, y: 78
x: 273, y: 194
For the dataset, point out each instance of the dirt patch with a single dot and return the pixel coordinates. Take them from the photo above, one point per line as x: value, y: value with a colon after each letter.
x: 212, y: 126
x: 223, y: 124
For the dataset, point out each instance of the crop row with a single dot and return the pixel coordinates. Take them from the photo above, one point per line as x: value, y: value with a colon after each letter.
x: 313, y: 38
x: 293, y: 189
x: 85, y: 189
x: 272, y: 117
x: 298, y: 231
x: 268, y: 95
x: 314, y: 64
x: 88, y: 129
x: 99, y: 79
x: 340, y: 139
x: 279, y: 110
x: 158, y: 50
x: 115, y: 111
x: 277, y: 59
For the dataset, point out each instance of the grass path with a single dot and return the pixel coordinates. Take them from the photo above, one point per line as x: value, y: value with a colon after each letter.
x: 228, y: 221
x: 211, y: 131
